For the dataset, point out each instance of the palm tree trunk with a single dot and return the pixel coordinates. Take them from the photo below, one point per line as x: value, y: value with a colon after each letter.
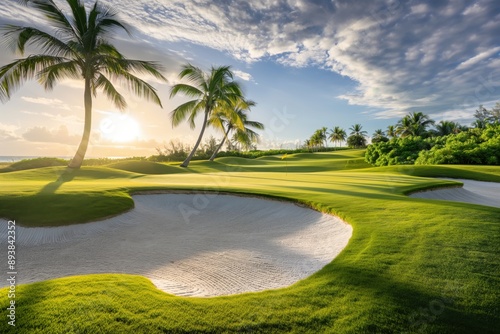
x: 191, y: 155
x: 221, y: 143
x: 77, y: 160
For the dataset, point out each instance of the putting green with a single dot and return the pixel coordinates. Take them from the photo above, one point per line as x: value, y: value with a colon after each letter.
x: 411, y: 266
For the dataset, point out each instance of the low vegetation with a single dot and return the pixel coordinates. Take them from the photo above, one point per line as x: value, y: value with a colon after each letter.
x: 448, y: 143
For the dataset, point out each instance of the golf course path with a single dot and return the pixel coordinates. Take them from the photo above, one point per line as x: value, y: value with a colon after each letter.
x: 189, y: 244
x: 475, y: 192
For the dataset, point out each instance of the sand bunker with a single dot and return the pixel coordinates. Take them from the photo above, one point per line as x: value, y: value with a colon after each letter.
x: 189, y: 244
x: 475, y: 192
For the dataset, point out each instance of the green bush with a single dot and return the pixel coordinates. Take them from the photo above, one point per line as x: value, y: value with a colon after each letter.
x: 475, y: 146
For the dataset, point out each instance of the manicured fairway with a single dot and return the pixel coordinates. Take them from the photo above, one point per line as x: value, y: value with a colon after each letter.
x: 411, y: 266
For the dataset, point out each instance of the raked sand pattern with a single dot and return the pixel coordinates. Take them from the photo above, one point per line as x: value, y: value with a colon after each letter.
x: 189, y: 244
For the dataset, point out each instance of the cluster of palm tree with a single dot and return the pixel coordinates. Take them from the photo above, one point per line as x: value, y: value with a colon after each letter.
x: 418, y: 124
x: 221, y: 101
x: 320, y: 138
x: 79, y: 47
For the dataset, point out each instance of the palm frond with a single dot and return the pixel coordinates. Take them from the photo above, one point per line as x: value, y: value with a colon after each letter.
x: 106, y: 20
x: 144, y: 67
x: 138, y: 86
x: 54, y: 14
x: 51, y: 74
x: 111, y: 92
x: 185, y: 89
x: 255, y: 124
x: 17, y: 38
x: 79, y: 18
x: 13, y: 75
x: 180, y: 113
x: 103, y: 48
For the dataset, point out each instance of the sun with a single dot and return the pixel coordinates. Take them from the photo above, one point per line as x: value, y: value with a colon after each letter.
x: 120, y: 128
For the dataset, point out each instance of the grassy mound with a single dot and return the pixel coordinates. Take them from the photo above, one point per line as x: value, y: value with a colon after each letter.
x: 146, y: 167
x: 34, y: 163
x: 411, y: 266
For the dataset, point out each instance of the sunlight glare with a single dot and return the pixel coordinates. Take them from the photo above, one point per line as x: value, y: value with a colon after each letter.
x: 120, y: 128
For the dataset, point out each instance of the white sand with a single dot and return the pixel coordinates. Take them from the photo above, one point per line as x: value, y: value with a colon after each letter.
x: 475, y: 192
x: 189, y: 244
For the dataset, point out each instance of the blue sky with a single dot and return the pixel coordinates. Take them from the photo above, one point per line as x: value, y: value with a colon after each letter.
x: 307, y: 64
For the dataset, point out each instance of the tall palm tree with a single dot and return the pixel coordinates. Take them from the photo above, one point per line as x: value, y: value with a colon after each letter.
x: 77, y: 47
x: 209, y: 90
x: 337, y: 134
x: 235, y: 119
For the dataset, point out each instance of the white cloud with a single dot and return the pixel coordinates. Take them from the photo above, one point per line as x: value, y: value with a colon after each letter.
x: 55, y: 103
x: 404, y: 55
x: 8, y: 132
x: 43, y: 134
x: 243, y: 75
x: 476, y: 59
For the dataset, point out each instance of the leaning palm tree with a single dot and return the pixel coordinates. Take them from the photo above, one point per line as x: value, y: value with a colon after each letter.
x: 246, y: 137
x: 78, y: 47
x: 210, y: 91
x: 235, y: 118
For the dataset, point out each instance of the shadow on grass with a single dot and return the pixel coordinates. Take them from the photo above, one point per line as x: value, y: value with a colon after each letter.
x: 66, y: 175
x: 334, y: 296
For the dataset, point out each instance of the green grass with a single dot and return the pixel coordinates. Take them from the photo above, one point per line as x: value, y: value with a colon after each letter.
x: 411, y: 266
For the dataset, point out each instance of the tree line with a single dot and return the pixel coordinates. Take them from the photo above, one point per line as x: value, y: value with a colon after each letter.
x: 321, y: 137
x: 413, y: 141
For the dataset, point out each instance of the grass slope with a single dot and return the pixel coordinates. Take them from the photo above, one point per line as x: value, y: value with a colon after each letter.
x: 412, y: 266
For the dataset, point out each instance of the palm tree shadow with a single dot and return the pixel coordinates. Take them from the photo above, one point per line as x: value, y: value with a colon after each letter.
x: 65, y: 175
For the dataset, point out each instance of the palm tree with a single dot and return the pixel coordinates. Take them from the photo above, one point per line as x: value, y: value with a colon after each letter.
x: 337, y: 135
x: 357, y: 137
x: 444, y: 128
x: 317, y: 139
x: 78, y: 47
x: 379, y: 136
x: 357, y: 130
x: 210, y: 90
x: 404, y: 127
x: 324, y: 135
x: 391, y: 131
x: 414, y: 124
x: 235, y: 119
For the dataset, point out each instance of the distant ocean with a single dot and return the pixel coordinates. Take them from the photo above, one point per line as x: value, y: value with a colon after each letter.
x: 15, y: 158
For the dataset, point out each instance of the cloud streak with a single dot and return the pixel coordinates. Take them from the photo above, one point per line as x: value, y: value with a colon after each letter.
x: 435, y: 57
